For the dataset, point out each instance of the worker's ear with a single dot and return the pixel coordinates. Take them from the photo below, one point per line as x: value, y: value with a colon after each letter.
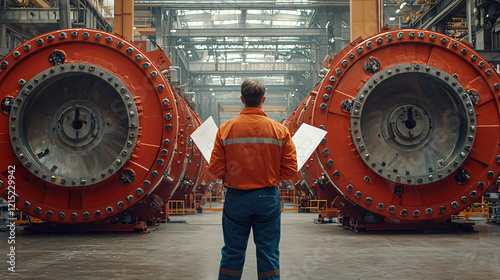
x: 242, y: 100
x: 263, y: 99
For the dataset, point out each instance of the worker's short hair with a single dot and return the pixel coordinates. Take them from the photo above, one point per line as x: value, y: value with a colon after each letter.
x: 253, y: 91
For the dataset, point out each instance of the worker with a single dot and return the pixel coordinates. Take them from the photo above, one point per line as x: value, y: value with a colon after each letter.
x: 251, y: 154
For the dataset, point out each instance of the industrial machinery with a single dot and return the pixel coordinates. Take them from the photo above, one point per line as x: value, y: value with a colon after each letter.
x: 413, y: 130
x: 92, y: 132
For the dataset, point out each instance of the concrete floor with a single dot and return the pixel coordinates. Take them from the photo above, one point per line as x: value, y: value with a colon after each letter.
x: 308, y: 251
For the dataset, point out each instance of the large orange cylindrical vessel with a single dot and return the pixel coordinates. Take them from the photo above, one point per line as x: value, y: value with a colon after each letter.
x: 413, y: 127
x: 90, y: 127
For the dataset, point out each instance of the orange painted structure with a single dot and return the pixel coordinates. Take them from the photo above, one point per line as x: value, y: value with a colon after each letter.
x: 413, y: 130
x: 92, y: 132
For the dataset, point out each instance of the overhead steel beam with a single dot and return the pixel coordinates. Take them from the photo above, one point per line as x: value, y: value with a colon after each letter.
x: 246, y: 72
x: 253, y: 32
x: 268, y: 43
x: 220, y: 5
x: 33, y: 16
x: 441, y: 11
x: 237, y: 88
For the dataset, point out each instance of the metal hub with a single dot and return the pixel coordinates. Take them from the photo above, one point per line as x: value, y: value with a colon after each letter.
x: 408, y: 125
x: 413, y: 124
x: 77, y: 125
x: 74, y: 125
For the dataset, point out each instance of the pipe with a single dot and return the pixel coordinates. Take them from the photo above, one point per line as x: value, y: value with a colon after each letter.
x: 3, y: 36
x: 469, y: 11
x: 64, y: 14
x: 481, y: 18
x: 436, y: 19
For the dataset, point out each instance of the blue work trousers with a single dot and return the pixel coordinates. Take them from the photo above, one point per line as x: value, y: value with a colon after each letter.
x: 260, y: 210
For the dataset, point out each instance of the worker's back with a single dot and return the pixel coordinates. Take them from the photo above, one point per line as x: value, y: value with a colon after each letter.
x: 253, y: 145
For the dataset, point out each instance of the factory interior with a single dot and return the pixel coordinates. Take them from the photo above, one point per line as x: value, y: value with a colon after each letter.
x: 101, y: 176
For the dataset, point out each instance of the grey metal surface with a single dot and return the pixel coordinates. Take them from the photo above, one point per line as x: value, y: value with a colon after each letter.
x: 74, y: 124
x: 413, y: 124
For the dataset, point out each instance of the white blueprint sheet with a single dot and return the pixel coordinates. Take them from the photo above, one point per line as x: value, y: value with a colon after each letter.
x: 306, y: 139
x: 204, y: 137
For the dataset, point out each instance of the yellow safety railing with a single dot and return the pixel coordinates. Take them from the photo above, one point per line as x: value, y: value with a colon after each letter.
x: 176, y: 207
x: 316, y: 205
x: 476, y: 209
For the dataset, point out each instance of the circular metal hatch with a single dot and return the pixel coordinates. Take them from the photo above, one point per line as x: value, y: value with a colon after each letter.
x: 413, y: 124
x: 74, y: 124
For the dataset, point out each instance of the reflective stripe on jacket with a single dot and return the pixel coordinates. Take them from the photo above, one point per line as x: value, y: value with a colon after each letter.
x: 253, y: 151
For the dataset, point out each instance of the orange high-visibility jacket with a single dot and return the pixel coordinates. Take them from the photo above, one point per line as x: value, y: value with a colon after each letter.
x: 253, y: 151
